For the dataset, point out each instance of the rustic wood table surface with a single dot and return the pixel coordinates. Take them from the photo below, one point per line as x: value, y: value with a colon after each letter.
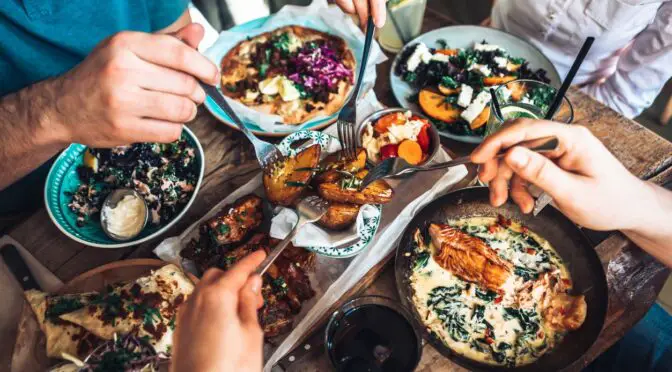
x: 634, y: 277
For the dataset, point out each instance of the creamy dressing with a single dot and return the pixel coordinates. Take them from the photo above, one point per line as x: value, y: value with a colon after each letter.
x: 480, y: 324
x: 127, y: 219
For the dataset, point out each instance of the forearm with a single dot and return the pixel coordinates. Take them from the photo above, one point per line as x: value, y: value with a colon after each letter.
x: 653, y: 232
x: 30, y: 134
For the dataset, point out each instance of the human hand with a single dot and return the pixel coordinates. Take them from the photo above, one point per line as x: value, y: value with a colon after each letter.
x: 217, y: 327
x: 133, y: 87
x: 584, y: 179
x: 362, y: 8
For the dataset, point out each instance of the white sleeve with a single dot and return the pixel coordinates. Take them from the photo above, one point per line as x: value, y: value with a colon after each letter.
x: 642, y: 69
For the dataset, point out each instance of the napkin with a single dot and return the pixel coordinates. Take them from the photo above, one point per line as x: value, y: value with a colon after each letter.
x: 311, y: 235
x: 318, y: 15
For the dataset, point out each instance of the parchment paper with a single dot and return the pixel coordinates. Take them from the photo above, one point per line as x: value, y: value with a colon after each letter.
x: 333, y: 277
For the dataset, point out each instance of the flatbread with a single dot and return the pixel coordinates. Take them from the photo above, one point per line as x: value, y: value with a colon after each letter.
x: 61, y: 336
x: 240, y: 74
x: 146, y: 308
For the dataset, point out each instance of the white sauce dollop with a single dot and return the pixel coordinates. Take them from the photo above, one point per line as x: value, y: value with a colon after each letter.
x: 127, y: 219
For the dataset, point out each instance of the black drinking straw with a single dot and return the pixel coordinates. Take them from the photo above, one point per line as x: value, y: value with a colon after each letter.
x: 568, y: 79
x: 495, y: 104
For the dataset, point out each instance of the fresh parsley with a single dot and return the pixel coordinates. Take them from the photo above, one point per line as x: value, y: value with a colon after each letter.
x: 449, y: 82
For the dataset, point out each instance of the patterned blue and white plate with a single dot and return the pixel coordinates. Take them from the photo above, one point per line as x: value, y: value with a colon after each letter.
x: 369, y: 225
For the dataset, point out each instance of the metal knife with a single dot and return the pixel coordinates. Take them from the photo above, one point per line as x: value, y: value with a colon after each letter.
x: 312, y: 343
x: 10, y: 254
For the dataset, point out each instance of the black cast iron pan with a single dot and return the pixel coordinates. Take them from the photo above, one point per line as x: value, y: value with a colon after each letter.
x: 568, y: 240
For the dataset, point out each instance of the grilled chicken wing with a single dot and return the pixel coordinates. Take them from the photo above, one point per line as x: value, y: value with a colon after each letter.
x: 468, y: 257
x: 244, y: 215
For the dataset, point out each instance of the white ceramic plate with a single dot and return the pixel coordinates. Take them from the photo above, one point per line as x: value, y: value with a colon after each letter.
x: 465, y: 37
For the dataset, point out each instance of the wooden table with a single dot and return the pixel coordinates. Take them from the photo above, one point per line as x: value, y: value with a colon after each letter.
x: 634, y: 277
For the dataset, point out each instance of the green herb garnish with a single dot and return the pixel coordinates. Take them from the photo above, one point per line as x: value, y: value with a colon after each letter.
x: 263, y: 68
x: 62, y: 306
x: 449, y: 82
x: 421, y: 260
x: 223, y: 228
x: 410, y: 77
x: 295, y: 184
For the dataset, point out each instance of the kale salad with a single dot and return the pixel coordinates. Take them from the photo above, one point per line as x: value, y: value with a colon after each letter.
x: 452, y: 84
x: 164, y: 174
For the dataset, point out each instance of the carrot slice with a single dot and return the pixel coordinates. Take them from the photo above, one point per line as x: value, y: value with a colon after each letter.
x: 498, y: 80
x: 384, y: 123
x: 448, y: 52
x: 410, y: 151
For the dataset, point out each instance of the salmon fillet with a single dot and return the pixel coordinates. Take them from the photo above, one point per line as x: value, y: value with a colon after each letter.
x: 468, y: 257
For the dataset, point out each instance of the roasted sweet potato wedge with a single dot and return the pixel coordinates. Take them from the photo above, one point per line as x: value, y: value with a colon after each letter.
x: 481, y: 119
x: 338, y: 162
x: 339, y: 216
x: 285, y: 181
x: 436, y: 107
x: 378, y: 192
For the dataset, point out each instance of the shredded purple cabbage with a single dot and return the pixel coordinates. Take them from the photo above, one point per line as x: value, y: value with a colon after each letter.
x: 318, y: 69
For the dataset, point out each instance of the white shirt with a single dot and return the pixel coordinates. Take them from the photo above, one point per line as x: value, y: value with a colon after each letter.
x: 631, y: 58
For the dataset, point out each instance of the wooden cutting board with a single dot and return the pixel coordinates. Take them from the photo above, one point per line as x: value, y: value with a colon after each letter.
x: 29, y: 350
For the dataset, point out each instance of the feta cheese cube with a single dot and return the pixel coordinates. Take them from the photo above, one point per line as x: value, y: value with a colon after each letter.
x: 476, y: 107
x: 501, y: 62
x: 440, y: 57
x: 481, y: 69
x: 466, y: 93
x: 420, y: 54
x: 486, y: 47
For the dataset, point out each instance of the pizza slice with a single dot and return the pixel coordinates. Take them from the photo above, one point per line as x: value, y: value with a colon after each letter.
x: 295, y: 72
x: 146, y: 308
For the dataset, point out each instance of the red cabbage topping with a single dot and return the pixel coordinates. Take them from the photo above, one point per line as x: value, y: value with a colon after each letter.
x: 318, y: 70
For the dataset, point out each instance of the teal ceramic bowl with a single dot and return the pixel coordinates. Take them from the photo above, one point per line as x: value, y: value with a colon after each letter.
x: 63, y: 178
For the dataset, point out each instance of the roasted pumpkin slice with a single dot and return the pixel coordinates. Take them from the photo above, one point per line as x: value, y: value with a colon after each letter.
x: 498, y: 80
x: 346, y: 191
x: 339, y: 162
x: 481, y: 119
x: 436, y: 107
x: 286, y: 180
x: 339, y: 216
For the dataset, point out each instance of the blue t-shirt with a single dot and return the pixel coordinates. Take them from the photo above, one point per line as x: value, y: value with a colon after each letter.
x: 45, y: 38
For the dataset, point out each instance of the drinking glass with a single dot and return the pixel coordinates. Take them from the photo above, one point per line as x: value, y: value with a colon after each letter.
x: 525, y: 98
x: 404, y: 23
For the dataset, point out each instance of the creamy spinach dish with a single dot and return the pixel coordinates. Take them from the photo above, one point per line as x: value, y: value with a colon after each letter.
x: 493, y: 291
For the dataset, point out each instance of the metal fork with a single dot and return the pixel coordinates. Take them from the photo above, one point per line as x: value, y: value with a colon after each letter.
x: 267, y: 153
x: 347, y: 118
x: 393, y: 167
x: 310, y: 210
